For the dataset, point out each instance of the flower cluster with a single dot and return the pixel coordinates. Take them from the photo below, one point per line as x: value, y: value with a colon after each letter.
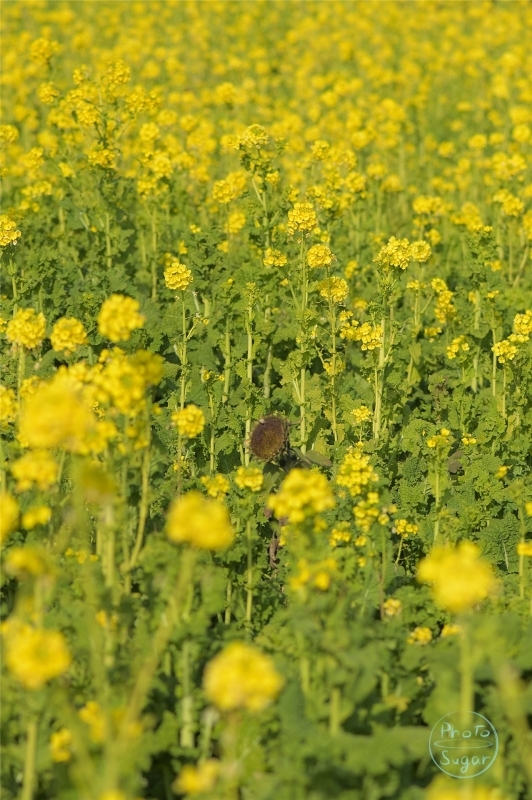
x: 8, y: 231
x: 439, y: 440
x: 459, y: 579
x: 249, y: 478
x: 301, y: 219
x: 303, y: 493
x: 335, y: 289
x: 67, y: 335
x: 189, y: 421
x: 177, y: 277
x: 118, y: 317
x: 34, y: 656
x: 458, y: 345
x: 318, y: 574
x: 361, y: 414
x: 319, y: 256
x: 199, y: 521
x: 444, y: 309
x: 27, y: 328
x: 216, y: 485
x: 241, y: 677
x: 274, y: 258
x: 397, y: 253
x: 35, y: 468
x: 355, y: 472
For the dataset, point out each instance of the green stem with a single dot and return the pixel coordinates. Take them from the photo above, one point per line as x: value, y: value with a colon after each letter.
x: 183, y: 354
x: 154, y: 255
x: 29, y: 760
x: 108, y: 249
x: 21, y: 370
x: 144, y: 506
x: 249, y: 575
x: 334, y: 711
x: 249, y: 362
x: 186, y: 737
x: 466, y: 674
x: 227, y: 362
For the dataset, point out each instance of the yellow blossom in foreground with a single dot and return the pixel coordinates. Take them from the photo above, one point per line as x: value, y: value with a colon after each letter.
x: 420, y: 635
x: 199, y: 779
x: 8, y: 404
x: 450, y: 630
x: 458, y: 578
x: 34, y: 655
x: 26, y: 562
x: 442, y: 789
x: 27, y: 328
x: 177, y: 277
x: 249, y: 478
x: 118, y: 317
x: 189, y: 421
x: 60, y: 745
x: 528, y: 508
x: 9, y: 515
x: 524, y: 549
x: 67, y: 335
x: 199, y: 521
x: 302, y: 493
x: 241, y: 677
x: 37, y: 515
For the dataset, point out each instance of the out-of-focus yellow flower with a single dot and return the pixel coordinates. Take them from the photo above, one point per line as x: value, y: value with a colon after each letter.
x: 67, y: 335
x: 196, y: 780
x: 249, y: 478
x: 199, y: 521
x: 217, y: 485
x: 241, y: 677
x: 392, y: 607
x: 35, y: 656
x: 27, y: 328
x: 420, y: 635
x: 189, y: 421
x: 118, y: 317
x: 9, y: 515
x: 303, y: 493
x: 37, y: 515
x: 8, y: 405
x: 458, y: 577
x: 60, y: 745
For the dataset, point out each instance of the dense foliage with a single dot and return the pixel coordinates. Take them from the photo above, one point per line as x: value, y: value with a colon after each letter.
x: 265, y: 404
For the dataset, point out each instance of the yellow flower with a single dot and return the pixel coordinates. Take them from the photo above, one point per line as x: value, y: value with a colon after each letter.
x: 199, y: 779
x: 405, y: 528
x: 361, y: 414
x: 27, y: 328
x: 301, y: 218
x: 241, y: 677
x: 216, y: 486
x: 37, y: 467
x: 524, y: 549
x: 392, y: 607
x: 420, y: 635
x: 320, y: 256
x: 92, y: 715
x: 274, y: 258
x: 458, y: 577
x: 67, y: 335
x: 60, y: 745
x: 118, y: 317
x: 450, y: 630
x: 189, y: 421
x: 355, y: 472
x: 396, y: 253
x: 9, y: 515
x: 334, y: 288
x: 420, y: 251
x: 36, y: 515
x: 176, y: 276
x: 35, y: 656
x: 8, y: 231
x: 8, y: 404
x: 303, y: 493
x: 249, y: 478
x: 199, y: 521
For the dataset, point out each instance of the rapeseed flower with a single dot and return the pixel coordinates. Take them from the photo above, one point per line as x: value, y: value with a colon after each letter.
x: 189, y: 421
x: 199, y: 521
x: 34, y: 656
x: 459, y: 579
x: 118, y: 317
x: 241, y: 677
x: 303, y: 493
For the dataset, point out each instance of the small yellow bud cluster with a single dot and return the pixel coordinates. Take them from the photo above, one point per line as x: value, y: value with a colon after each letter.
x: 249, y: 478
x: 431, y: 332
x: 8, y: 231
x: 404, y: 528
x: 339, y: 535
x: 274, y: 258
x: 176, y: 276
x: 467, y: 439
x: 27, y: 328
x: 420, y: 635
x: 392, y: 607
x: 361, y: 414
x: 254, y: 136
x: 369, y: 335
x: 441, y: 439
x: 511, y: 205
x: 67, y: 335
x: 366, y: 512
x: 118, y: 317
x: 459, y: 344
x: 189, y: 421
x: 48, y: 93
x: 505, y: 351
x: 217, y: 485
x: 301, y: 218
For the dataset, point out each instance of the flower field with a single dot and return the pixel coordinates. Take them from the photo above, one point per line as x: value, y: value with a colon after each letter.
x: 265, y: 405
